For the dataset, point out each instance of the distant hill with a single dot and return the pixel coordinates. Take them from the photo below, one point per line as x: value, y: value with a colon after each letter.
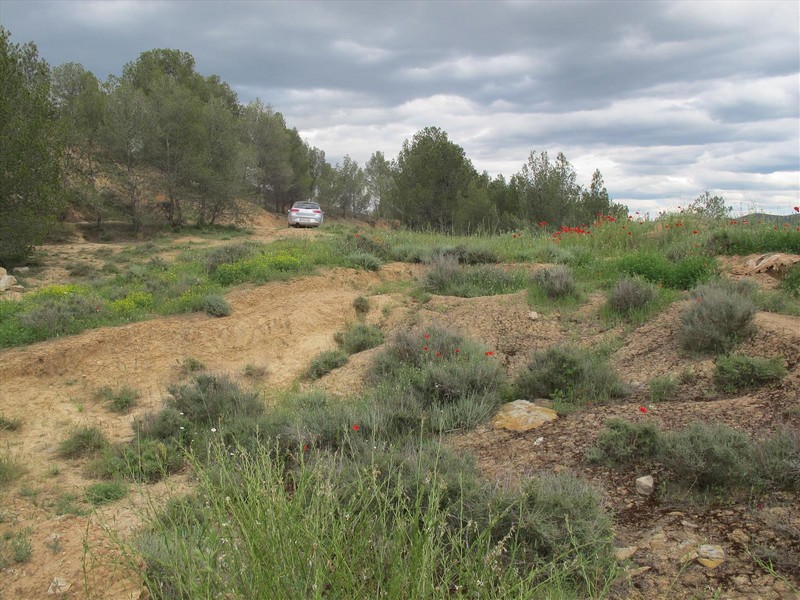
x: 756, y: 217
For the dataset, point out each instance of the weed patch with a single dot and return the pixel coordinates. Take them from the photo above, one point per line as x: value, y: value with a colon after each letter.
x: 83, y: 441
x: 325, y: 362
x: 717, y: 319
x: 358, y: 337
x: 105, y: 492
x: 736, y: 372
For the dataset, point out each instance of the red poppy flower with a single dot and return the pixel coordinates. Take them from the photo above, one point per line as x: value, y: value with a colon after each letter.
x: 355, y: 427
x: 427, y: 336
x: 438, y: 354
x: 305, y: 446
x: 695, y: 231
x: 357, y: 235
x: 629, y: 233
x: 489, y: 353
x: 642, y: 409
x: 457, y: 350
x: 425, y: 348
x: 797, y: 209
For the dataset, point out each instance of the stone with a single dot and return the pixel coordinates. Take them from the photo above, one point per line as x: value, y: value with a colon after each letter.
x: 59, y: 586
x: 3, y: 272
x: 644, y: 485
x: 636, y: 571
x: 623, y: 554
x: 522, y: 415
x: 689, y: 524
x: 739, y: 536
x: 710, y: 556
x: 16, y: 288
x: 6, y: 281
x: 22, y: 270
x: 533, y: 315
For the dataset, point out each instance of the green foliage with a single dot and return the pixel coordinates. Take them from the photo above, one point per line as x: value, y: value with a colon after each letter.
x: 446, y: 277
x: 736, y: 372
x: 143, y: 460
x: 361, y: 306
x: 363, y: 260
x: 210, y: 398
x: 30, y: 149
x: 257, y: 269
x: 216, y: 305
x: 83, y: 441
x: 11, y: 468
x: 623, y: 443
x: 742, y: 239
x: 556, y: 282
x: 791, y: 281
x: 105, y: 492
x: 654, y: 267
x: 192, y: 365
x: 630, y: 294
x: 21, y: 547
x: 571, y: 375
x: 561, y: 518
x: 706, y: 456
x: 229, y: 254
x: 121, y: 400
x: 717, y: 319
x: 325, y: 362
x: 663, y: 388
x: 7, y: 424
x: 777, y: 460
x: 359, y: 337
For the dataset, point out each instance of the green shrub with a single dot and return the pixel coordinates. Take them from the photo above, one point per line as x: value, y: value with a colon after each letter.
x: 359, y: 337
x: 325, y: 362
x: 105, y: 492
x: 447, y: 277
x: 663, y: 388
x: 559, y: 519
x: 777, y: 460
x: 654, y: 267
x: 21, y: 547
x: 11, y: 468
x: 55, y: 316
x: 255, y: 371
x: 229, y: 254
x: 7, y: 424
x: 706, y: 456
x: 83, y: 441
x: 361, y: 306
x: 569, y: 374
x: 791, y: 281
x: 623, y: 443
x: 119, y: 401
x: 716, y: 320
x: 216, y: 305
x: 143, y: 461
x: 631, y: 294
x: 735, y: 372
x: 556, y: 282
x: 192, y: 365
x: 210, y: 398
x: 363, y: 260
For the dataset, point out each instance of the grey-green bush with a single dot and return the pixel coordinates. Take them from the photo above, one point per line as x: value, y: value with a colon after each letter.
x: 717, y: 319
x: 735, y: 372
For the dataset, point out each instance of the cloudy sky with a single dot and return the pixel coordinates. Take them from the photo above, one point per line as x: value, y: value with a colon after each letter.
x: 667, y: 99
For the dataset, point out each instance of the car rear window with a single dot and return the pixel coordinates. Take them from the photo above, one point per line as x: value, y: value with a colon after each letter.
x: 305, y: 205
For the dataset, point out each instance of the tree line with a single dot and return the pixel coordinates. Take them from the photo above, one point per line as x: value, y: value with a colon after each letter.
x: 162, y: 143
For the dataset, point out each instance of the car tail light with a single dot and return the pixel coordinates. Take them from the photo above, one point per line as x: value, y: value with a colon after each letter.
x: 317, y: 212
x: 295, y: 210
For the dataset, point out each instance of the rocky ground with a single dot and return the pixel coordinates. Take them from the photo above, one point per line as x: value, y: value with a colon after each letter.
x: 50, y: 386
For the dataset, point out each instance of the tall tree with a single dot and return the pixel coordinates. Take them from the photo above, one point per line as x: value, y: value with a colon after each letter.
x: 351, y: 187
x: 433, y: 174
x: 269, y: 170
x: 31, y: 194
x: 378, y: 174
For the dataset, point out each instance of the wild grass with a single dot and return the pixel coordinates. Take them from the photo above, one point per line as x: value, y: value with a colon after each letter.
x: 11, y: 467
x: 738, y: 372
x: 406, y: 525
x: 10, y: 424
x: 120, y: 400
x: 83, y: 441
x: 447, y: 277
x: 571, y: 376
x: 358, y: 337
x: 325, y: 362
x: 662, y: 388
x: 105, y: 492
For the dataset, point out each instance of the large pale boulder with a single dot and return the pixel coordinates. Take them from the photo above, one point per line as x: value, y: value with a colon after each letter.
x: 6, y: 281
x: 522, y: 415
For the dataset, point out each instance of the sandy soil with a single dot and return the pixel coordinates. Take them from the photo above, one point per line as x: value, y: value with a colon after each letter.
x: 280, y: 326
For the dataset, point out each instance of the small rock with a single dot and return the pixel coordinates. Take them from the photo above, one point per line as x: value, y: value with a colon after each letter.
x: 52, y: 538
x: 636, y: 571
x: 687, y: 556
x: 737, y: 535
x: 522, y: 415
x: 6, y: 281
x: 741, y: 580
x: 533, y: 315
x: 22, y: 270
x: 16, y: 288
x: 3, y: 272
x: 689, y: 524
x: 559, y: 469
x: 58, y: 586
x: 623, y: 554
x: 644, y: 485
x: 710, y: 556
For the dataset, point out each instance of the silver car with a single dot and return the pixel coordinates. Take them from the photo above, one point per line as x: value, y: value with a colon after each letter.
x: 305, y: 213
